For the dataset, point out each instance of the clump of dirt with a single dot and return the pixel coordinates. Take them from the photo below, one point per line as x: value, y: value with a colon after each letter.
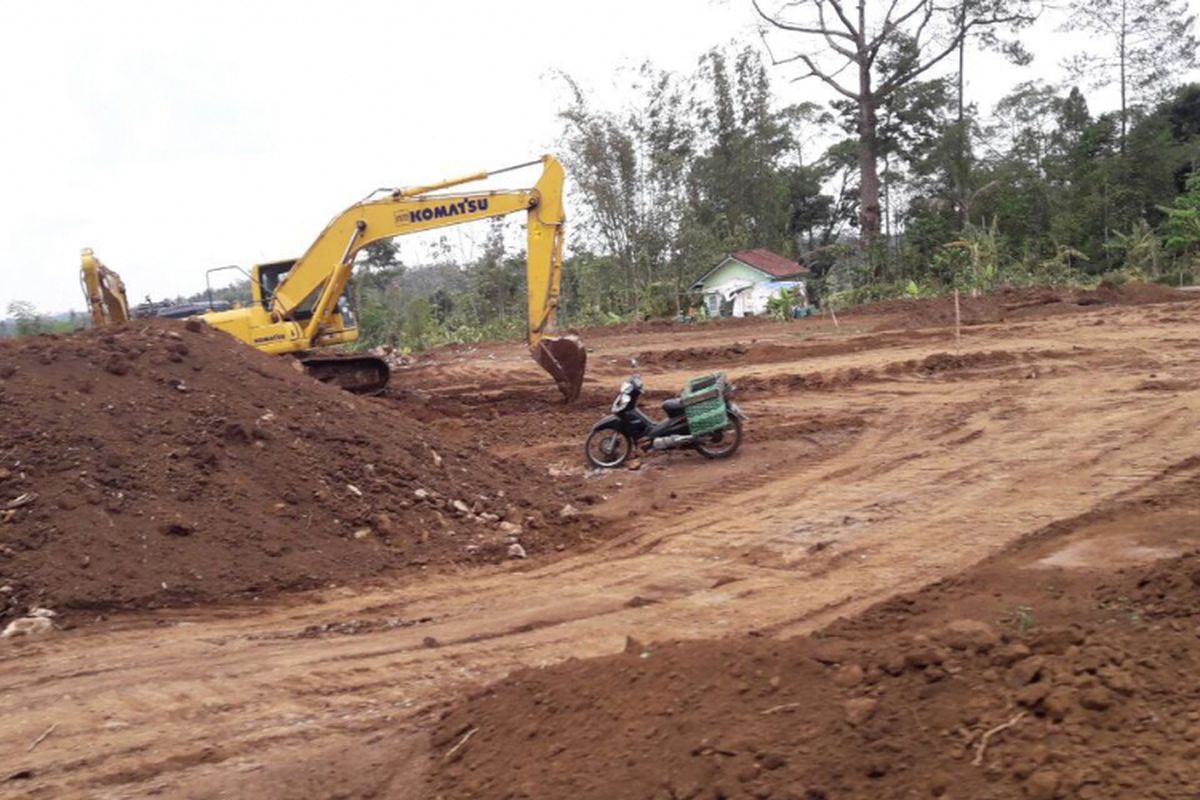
x: 807, y: 381
x: 1007, y: 681
x: 935, y: 365
x: 164, y: 463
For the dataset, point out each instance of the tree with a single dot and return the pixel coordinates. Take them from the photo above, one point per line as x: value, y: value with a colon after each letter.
x: 376, y: 294
x: 382, y: 254
x: 1148, y: 41
x: 29, y: 322
x: 742, y: 193
x: 1183, y: 222
x: 883, y: 55
x: 497, y: 280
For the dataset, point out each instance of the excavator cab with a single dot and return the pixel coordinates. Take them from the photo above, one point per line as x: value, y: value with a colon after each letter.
x: 265, y: 278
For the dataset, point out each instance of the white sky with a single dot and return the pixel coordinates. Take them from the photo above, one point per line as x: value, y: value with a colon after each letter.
x: 172, y: 137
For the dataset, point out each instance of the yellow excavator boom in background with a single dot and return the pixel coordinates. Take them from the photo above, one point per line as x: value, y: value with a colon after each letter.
x: 103, y: 290
x: 301, y: 305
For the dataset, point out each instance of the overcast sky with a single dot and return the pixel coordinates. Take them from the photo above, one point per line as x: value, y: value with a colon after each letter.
x: 173, y: 137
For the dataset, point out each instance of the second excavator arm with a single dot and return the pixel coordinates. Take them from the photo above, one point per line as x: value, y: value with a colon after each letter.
x: 103, y: 290
x: 320, y: 276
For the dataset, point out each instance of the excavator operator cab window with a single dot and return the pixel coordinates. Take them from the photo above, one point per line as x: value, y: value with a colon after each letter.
x: 269, y: 278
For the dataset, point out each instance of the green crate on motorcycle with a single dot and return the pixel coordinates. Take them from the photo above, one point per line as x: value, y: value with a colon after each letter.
x: 704, y: 403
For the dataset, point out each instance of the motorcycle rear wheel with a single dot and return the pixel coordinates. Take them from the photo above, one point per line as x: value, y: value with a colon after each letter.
x: 722, y: 443
x: 607, y: 449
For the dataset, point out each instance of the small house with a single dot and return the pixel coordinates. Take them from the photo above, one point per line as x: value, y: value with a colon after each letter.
x: 743, y: 282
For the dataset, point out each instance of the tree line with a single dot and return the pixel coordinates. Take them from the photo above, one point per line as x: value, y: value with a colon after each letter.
x: 901, y: 184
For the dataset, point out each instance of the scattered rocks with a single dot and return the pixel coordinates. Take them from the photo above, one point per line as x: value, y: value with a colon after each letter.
x: 859, y: 710
x: 970, y: 634
x: 1042, y: 785
x: 178, y: 528
x: 1096, y: 698
x: 515, y: 550
x: 1029, y: 696
x: 36, y: 623
x: 1025, y: 671
x: 848, y: 676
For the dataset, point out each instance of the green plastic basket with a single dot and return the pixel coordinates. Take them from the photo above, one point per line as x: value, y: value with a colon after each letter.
x: 704, y: 403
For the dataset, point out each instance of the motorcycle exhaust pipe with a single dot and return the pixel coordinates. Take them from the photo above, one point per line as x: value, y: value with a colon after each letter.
x: 671, y: 442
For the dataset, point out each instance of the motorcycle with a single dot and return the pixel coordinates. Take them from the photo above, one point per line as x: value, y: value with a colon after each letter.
x: 612, y: 439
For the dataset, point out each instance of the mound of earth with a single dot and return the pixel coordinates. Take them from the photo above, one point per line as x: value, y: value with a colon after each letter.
x: 164, y: 463
x: 1012, y: 303
x: 1012, y: 680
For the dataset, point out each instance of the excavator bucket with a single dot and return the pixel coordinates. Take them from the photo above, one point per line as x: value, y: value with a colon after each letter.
x: 354, y: 373
x: 565, y: 359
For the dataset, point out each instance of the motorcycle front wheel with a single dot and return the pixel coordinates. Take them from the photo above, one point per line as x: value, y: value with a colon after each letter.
x: 722, y: 443
x: 607, y: 448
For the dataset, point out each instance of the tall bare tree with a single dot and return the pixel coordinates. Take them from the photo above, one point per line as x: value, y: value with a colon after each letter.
x: 1148, y: 43
x: 882, y: 51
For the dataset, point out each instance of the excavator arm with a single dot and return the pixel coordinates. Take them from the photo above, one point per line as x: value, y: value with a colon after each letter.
x: 309, y: 294
x: 103, y: 290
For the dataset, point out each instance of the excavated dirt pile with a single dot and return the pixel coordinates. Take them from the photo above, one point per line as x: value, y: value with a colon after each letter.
x: 166, y: 463
x: 1012, y: 680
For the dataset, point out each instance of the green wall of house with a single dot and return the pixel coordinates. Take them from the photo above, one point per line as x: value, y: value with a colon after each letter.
x: 729, y: 270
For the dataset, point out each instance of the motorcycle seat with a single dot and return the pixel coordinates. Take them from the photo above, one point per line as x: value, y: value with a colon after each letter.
x: 673, y: 406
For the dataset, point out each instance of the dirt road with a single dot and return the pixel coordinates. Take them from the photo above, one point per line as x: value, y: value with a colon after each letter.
x: 906, y: 459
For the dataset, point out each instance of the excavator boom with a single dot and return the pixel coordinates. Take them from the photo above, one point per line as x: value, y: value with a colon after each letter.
x: 310, y: 292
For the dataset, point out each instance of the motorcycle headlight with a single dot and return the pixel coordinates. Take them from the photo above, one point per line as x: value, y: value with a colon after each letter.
x: 621, y: 402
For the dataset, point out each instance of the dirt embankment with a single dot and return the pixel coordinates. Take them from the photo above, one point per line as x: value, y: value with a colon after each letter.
x: 1023, y: 677
x: 165, y: 464
x: 1007, y: 304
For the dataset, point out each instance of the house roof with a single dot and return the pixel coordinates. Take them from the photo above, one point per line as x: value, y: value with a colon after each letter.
x: 763, y: 260
x: 769, y: 262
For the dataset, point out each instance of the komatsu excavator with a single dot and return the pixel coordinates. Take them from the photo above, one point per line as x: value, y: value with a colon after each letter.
x: 103, y: 290
x: 301, y: 305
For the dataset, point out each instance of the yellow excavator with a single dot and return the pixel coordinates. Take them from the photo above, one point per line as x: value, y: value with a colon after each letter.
x: 301, y: 305
x: 104, y: 292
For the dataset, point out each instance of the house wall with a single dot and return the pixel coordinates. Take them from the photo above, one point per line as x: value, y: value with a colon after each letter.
x: 731, y: 269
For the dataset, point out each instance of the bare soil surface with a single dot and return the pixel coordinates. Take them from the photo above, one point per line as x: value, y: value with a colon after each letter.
x: 161, y: 465
x: 882, y: 457
x: 1039, y: 673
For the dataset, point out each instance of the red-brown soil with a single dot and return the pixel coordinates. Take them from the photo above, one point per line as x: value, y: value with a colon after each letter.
x: 881, y: 457
x: 1027, y: 676
x: 160, y: 464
